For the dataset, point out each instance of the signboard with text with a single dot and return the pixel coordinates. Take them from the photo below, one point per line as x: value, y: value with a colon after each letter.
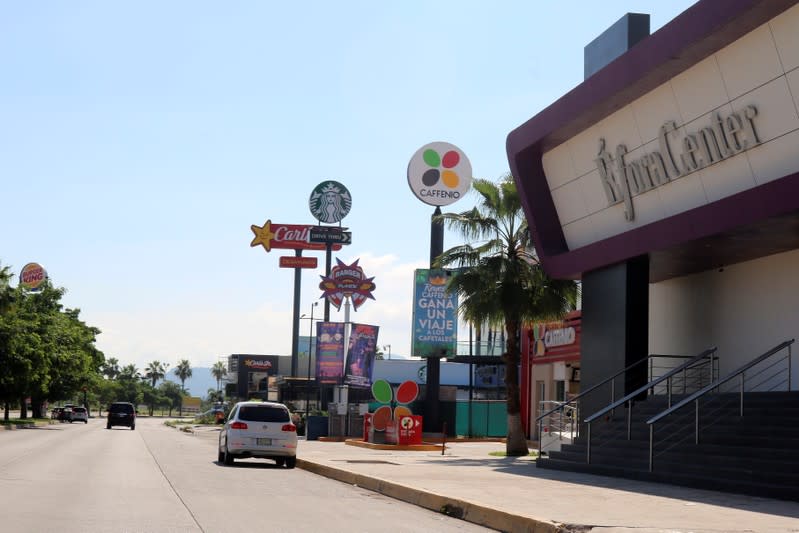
x: 32, y: 276
x: 287, y: 261
x: 291, y: 236
x: 435, y: 315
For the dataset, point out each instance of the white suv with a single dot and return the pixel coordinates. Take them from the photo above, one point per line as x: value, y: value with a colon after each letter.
x: 79, y: 414
x: 259, y: 429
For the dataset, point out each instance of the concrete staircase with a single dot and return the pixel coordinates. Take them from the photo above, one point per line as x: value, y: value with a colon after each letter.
x: 756, y: 454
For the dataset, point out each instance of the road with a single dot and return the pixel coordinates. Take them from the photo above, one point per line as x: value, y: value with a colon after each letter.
x: 84, y: 478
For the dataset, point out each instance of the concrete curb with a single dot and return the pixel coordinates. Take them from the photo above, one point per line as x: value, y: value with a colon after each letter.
x: 455, y: 507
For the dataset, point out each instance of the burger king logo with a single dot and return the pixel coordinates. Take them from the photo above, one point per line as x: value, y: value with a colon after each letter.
x: 32, y: 276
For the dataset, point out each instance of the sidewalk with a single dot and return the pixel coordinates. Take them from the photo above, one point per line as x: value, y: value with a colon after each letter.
x: 511, y: 494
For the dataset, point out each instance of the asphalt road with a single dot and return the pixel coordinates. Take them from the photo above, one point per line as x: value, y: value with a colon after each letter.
x: 84, y: 478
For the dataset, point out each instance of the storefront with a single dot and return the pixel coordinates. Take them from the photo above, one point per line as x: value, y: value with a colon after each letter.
x: 550, y: 367
x: 668, y: 182
x: 254, y: 376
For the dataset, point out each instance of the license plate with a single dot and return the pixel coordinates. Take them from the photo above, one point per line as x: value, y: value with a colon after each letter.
x: 263, y: 442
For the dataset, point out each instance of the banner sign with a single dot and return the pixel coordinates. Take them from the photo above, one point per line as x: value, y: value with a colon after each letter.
x: 329, y: 352
x: 435, y: 320
x: 347, y: 281
x: 292, y: 236
x: 361, y: 355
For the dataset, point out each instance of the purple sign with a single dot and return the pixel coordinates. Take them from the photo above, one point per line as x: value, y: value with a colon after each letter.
x: 329, y: 352
x: 361, y: 355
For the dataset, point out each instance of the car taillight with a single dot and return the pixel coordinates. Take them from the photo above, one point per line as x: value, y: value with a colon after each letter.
x: 238, y: 425
x: 289, y: 427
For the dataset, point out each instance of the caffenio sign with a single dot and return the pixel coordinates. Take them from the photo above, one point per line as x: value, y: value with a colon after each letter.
x: 723, y: 137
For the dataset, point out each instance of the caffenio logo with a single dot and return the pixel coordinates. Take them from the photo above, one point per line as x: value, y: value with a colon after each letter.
x: 439, y: 173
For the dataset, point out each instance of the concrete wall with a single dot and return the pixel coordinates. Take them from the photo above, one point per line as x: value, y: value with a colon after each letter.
x: 745, y: 309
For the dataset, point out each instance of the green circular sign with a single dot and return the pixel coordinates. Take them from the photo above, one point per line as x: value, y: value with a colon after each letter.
x: 382, y: 391
x: 330, y: 202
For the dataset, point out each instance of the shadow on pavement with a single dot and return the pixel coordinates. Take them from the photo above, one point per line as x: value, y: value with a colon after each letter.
x: 527, y: 468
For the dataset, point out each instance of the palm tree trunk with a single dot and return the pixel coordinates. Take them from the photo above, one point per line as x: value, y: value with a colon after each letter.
x: 516, y: 442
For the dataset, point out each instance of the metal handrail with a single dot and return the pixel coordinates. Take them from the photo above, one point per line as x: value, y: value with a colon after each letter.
x: 713, y: 386
x: 628, y: 398
x: 592, y: 388
x: 621, y: 401
x: 568, y: 403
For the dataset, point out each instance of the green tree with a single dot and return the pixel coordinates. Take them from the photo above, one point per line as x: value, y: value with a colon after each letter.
x: 128, y: 373
x: 174, y: 394
x: 46, y: 352
x: 499, y: 280
x: 111, y: 368
x: 214, y: 396
x: 219, y: 371
x: 131, y: 388
x: 183, y: 372
x: 154, y: 398
x: 155, y: 370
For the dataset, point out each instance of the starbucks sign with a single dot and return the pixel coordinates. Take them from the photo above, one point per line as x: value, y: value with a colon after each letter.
x: 330, y: 202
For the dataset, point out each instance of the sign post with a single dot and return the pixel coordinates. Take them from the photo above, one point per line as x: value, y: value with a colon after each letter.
x: 439, y: 174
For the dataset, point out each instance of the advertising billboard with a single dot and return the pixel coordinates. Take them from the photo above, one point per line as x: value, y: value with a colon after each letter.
x: 435, y: 315
x: 361, y: 355
x: 329, y: 352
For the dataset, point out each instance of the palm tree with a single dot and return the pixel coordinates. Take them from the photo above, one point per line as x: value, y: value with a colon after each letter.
x: 110, y: 368
x: 500, y: 281
x: 129, y: 373
x: 183, y: 372
x: 155, y: 370
x: 219, y: 370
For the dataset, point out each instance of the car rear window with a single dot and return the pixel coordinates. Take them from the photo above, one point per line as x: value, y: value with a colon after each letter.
x: 263, y: 413
x: 121, y: 408
x: 78, y: 410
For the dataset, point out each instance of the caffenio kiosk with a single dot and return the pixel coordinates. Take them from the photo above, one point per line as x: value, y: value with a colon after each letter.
x: 668, y: 182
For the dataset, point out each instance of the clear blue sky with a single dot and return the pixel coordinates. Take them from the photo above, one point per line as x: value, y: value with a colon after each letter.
x: 140, y: 140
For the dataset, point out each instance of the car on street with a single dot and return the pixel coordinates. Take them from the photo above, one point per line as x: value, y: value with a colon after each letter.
x: 261, y: 430
x: 65, y: 414
x: 121, y: 414
x: 79, y: 414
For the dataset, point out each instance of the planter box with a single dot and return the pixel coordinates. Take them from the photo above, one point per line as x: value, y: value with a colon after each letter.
x: 315, y: 427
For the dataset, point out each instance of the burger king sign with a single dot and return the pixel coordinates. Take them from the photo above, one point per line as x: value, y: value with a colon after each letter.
x: 32, y: 276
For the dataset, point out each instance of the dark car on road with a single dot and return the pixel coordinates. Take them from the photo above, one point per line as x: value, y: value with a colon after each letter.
x: 121, y: 414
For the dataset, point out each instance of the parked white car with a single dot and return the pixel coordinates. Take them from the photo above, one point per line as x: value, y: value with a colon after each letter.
x: 79, y: 414
x: 261, y: 430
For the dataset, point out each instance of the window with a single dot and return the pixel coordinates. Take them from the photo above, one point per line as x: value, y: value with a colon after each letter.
x: 560, y: 391
x: 263, y: 413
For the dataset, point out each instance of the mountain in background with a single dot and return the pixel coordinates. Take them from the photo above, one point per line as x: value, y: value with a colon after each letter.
x: 198, y: 384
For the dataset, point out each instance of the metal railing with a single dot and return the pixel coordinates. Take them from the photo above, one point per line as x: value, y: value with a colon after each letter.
x: 684, y: 372
x: 756, y: 369
x: 574, y: 403
x: 560, y: 425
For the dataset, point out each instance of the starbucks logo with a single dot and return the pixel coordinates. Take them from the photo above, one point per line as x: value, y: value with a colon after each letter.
x: 330, y: 202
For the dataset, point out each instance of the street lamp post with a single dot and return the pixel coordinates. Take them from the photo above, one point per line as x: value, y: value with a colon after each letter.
x: 389, y: 350
x: 308, y: 381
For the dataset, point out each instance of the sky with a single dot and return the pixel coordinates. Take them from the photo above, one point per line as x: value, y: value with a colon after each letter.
x: 139, y: 141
